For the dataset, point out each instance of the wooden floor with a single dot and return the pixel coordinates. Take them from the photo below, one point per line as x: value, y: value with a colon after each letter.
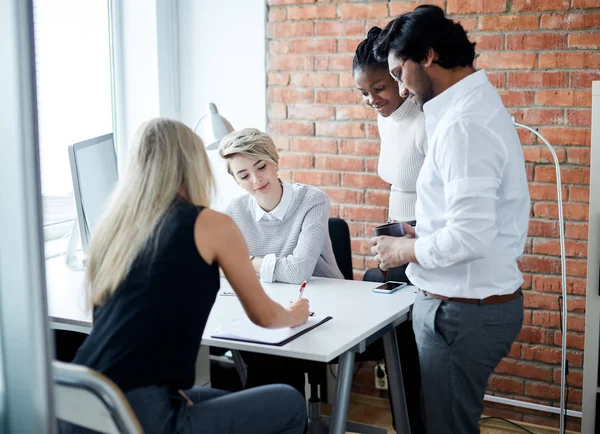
x: 375, y: 411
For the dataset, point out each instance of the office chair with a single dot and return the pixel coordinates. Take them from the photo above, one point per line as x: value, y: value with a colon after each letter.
x: 317, y: 374
x: 89, y: 399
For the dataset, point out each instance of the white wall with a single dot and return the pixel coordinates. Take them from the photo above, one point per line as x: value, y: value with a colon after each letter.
x: 222, y: 60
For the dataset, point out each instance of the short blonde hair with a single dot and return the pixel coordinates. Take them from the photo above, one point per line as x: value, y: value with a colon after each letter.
x: 250, y: 142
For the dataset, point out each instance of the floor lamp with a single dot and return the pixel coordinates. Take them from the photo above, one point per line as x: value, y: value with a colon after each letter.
x: 563, y: 364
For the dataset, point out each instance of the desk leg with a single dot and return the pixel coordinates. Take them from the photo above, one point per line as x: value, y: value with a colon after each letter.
x: 342, y: 396
x: 395, y: 383
x: 240, y: 366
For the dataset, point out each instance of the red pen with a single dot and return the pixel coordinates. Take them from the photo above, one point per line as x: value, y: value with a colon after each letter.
x: 302, y: 290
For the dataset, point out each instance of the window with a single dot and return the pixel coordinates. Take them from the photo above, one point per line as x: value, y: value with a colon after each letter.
x: 73, y: 69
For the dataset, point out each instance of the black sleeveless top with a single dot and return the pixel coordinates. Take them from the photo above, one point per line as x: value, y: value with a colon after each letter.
x: 149, y: 332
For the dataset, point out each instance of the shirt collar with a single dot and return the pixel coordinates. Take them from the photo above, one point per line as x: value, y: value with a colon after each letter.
x: 435, y: 108
x: 279, y: 211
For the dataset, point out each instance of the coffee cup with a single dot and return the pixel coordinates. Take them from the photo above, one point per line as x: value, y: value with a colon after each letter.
x: 393, y: 229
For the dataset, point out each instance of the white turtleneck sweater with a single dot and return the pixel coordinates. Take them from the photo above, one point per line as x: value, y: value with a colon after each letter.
x: 403, y: 149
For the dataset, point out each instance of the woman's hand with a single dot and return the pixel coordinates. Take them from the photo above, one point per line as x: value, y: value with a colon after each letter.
x: 298, y: 311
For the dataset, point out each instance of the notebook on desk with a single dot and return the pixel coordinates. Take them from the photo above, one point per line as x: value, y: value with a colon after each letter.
x: 242, y: 329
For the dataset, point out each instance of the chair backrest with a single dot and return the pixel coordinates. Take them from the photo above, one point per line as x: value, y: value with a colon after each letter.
x: 89, y: 399
x: 342, y: 248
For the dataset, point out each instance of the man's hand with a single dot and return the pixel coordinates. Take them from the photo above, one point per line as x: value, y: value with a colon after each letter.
x: 409, y: 231
x: 392, y: 252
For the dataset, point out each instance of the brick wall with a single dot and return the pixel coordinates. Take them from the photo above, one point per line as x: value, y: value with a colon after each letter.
x: 542, y: 56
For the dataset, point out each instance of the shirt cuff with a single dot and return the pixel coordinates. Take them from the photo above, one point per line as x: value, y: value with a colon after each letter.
x: 267, y: 268
x: 424, y: 251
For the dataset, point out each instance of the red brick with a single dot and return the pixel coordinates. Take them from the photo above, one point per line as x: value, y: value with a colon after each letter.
x: 584, y: 40
x: 336, y: 96
x: 541, y: 154
x: 540, y: 390
x: 506, y: 60
x: 286, y: 175
x: 578, y: 231
x: 574, y: 175
x: 311, y: 111
x: 314, y: 177
x: 345, y: 195
x: 527, y: 278
x: 348, y: 45
x: 340, y: 129
x: 355, y: 112
x: 574, y: 377
x: 358, y: 262
x: 312, y: 12
x: 566, y: 136
x: 277, y: 46
x: 541, y: 228
x: 277, y: 14
x: 569, y: 60
x: 290, y: 62
x: 371, y: 165
x: 574, y: 340
x: 372, y: 130
x: 287, y: 95
x: 312, y: 46
x: 526, y: 137
x: 357, y: 229
x: 296, y: 161
x: 475, y: 6
x: 576, y: 21
x: 536, y: 335
x: 347, y: 80
x: 576, y: 267
x: 281, y: 142
x: 288, y: 2
x: 377, y: 198
x: 337, y: 28
x: 534, y: 117
x: 334, y: 210
x: 289, y: 30
x: 584, y: 79
x: 585, y: 4
x: 363, y: 213
x: 539, y: 264
x: 579, y: 118
x: 576, y: 304
x: 363, y: 180
x: 536, y: 41
x: 291, y: 128
x: 497, y: 79
x: 507, y: 385
x: 578, y: 193
x: 313, y: 145
x: 513, y: 98
x: 313, y: 79
x: 579, y: 156
x: 488, y: 42
x: 524, y: 370
x: 402, y: 7
x: 278, y: 79
x: 362, y: 11
x: 571, y: 211
x: 338, y: 162
x: 552, y: 247
x: 277, y: 111
x: 508, y: 22
x: 563, y: 98
x: 515, y: 350
x: 539, y: 5
x: 342, y: 62
x: 536, y: 79
x: 553, y: 284
x: 544, y: 191
x: 359, y: 147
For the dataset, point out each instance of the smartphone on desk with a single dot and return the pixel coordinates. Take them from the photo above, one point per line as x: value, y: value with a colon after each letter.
x: 389, y: 287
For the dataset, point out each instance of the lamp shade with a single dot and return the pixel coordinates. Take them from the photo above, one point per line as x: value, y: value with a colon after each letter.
x: 212, y: 127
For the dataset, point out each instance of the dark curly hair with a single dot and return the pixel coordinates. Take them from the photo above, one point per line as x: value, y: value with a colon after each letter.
x: 364, y: 56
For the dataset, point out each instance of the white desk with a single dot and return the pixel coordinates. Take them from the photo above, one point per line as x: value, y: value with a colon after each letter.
x: 359, y: 318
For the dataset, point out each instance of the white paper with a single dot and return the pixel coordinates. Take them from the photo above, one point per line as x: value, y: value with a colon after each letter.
x: 242, y: 329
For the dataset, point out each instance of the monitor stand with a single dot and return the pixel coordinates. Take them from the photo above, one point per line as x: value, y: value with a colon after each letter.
x: 75, y: 259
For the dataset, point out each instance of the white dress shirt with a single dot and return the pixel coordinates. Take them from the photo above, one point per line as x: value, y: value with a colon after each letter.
x: 473, y: 204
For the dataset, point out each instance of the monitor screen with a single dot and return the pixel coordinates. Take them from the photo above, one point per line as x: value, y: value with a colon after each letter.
x: 95, y: 175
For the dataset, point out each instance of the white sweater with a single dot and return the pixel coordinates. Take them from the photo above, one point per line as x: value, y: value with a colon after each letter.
x: 293, y: 239
x: 403, y: 149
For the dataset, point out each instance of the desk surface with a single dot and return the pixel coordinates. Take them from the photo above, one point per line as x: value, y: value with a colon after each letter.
x: 357, y: 312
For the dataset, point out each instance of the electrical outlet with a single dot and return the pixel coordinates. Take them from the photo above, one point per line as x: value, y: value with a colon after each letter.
x: 381, y: 381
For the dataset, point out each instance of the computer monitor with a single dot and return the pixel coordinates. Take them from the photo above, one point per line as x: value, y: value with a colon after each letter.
x: 95, y: 175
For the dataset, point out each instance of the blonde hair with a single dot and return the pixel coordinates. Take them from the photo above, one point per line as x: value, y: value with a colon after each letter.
x: 166, y: 159
x: 250, y: 142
